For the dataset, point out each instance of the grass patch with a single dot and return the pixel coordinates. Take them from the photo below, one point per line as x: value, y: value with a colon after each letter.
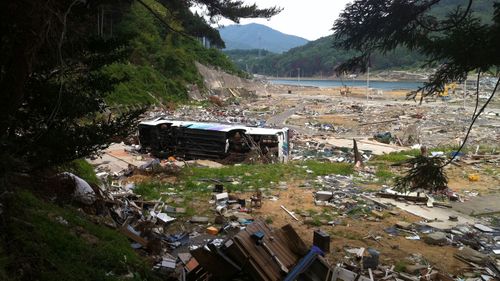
x: 357, y: 211
x: 395, y: 157
x: 347, y: 235
x: 46, y: 249
x: 400, y: 266
x: 151, y: 190
x: 269, y: 220
x: 248, y: 177
x: 383, y: 174
x: 81, y: 168
x: 327, y: 168
x: 400, y: 156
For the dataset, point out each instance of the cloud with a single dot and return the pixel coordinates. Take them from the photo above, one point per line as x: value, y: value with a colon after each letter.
x: 310, y: 19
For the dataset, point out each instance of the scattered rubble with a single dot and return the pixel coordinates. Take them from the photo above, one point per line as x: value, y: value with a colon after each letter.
x: 232, y: 237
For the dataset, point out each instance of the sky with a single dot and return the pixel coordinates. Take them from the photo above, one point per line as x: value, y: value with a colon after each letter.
x: 310, y: 19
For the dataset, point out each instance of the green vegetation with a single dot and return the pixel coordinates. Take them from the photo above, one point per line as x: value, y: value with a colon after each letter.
x: 81, y: 168
x: 60, y: 72
x: 316, y: 58
x: 399, y: 156
x: 49, y: 242
x: 383, y: 174
x: 196, y: 181
x: 424, y: 173
x: 400, y: 266
x: 158, y: 67
x: 454, y: 36
x: 269, y: 220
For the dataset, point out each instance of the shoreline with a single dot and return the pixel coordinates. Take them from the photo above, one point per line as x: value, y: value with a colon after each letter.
x: 343, y: 80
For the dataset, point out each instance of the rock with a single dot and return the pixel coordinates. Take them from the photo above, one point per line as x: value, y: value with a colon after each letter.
x: 197, y: 219
x: 436, y: 238
x: 403, y: 225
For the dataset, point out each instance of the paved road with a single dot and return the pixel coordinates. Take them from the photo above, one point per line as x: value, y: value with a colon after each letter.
x: 280, y: 119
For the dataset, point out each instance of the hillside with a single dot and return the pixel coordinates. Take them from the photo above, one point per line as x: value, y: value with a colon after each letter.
x: 319, y: 57
x: 316, y: 58
x: 157, y: 68
x: 258, y: 36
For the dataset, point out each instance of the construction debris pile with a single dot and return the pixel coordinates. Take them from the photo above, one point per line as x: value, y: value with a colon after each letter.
x: 312, y: 149
x: 234, y: 242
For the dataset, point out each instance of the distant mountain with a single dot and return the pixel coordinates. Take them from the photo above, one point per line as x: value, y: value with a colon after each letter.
x: 258, y: 36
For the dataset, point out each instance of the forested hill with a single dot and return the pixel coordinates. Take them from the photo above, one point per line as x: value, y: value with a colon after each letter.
x: 157, y: 67
x: 316, y: 58
x: 258, y: 36
x: 319, y: 57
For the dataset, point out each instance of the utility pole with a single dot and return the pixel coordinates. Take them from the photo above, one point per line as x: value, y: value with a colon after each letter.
x: 465, y: 89
x: 298, y: 74
x: 368, y: 82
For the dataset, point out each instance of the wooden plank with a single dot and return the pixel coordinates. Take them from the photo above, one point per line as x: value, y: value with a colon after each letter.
x: 133, y: 236
x: 290, y: 213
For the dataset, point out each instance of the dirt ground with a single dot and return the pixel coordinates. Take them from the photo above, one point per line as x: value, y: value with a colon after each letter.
x: 320, y: 107
x: 353, y: 232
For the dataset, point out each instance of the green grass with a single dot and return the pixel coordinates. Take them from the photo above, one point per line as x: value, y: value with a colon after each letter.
x: 401, y: 156
x: 46, y: 249
x: 195, y: 184
x: 394, y: 157
x: 357, y: 211
x: 269, y: 220
x: 327, y: 168
x: 81, y: 168
x: 383, y: 174
x: 400, y: 266
x: 151, y: 190
x: 244, y: 177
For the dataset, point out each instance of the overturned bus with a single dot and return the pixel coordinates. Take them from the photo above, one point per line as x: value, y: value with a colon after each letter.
x: 201, y: 140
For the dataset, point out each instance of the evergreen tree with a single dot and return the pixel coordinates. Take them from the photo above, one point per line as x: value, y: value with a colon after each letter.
x: 54, y: 93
